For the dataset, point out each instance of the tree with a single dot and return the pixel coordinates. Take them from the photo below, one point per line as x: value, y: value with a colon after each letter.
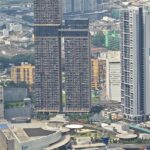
x: 96, y: 109
x: 16, y: 60
x: 98, y: 40
x: 13, y: 84
x: 4, y: 61
x: 23, y: 58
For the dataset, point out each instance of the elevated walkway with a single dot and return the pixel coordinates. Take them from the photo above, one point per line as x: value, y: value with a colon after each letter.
x: 137, y: 128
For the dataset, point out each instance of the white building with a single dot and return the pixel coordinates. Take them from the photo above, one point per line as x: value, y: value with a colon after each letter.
x: 135, y: 46
x: 15, y: 27
x: 113, y: 79
x: 33, y: 136
x: 1, y: 103
x: 113, y: 75
x: 5, y: 33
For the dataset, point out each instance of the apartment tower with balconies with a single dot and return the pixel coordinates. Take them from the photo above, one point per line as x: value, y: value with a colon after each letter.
x: 135, y: 46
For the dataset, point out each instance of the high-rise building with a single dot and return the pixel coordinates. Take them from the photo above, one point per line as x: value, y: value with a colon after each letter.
x: 23, y: 73
x: 112, y: 39
x: 47, y: 22
x: 49, y: 31
x: 1, y: 103
x: 79, y: 6
x: 135, y: 45
x: 77, y: 65
x: 89, y: 5
x: 68, y: 6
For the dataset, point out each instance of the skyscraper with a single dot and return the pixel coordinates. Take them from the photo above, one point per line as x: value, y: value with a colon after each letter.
x: 89, y: 5
x: 48, y: 31
x: 1, y: 103
x: 68, y: 6
x: 79, y: 6
x: 77, y: 65
x: 135, y: 45
x: 47, y: 22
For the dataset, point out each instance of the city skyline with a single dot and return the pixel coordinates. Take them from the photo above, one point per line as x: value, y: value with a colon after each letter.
x: 74, y: 74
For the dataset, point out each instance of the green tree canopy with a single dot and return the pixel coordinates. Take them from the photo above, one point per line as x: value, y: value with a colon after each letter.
x: 4, y: 61
x: 16, y: 60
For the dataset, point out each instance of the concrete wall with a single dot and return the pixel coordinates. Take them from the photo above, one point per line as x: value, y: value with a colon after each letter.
x: 3, y: 141
x: 6, y: 144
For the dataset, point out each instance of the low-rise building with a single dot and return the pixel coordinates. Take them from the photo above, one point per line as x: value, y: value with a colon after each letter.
x: 98, y: 75
x: 32, y: 136
x: 23, y: 73
x: 106, y: 75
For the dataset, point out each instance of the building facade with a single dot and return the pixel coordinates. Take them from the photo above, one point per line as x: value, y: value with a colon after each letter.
x: 113, y: 79
x: 79, y: 6
x: 95, y: 76
x: 77, y: 65
x: 106, y: 70
x: 47, y: 22
x: 68, y: 6
x: 98, y: 74
x: 23, y: 73
x: 112, y: 40
x: 102, y: 70
x: 49, y: 32
x: 9, y: 140
x: 90, y: 5
x: 135, y: 45
x: 1, y: 103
